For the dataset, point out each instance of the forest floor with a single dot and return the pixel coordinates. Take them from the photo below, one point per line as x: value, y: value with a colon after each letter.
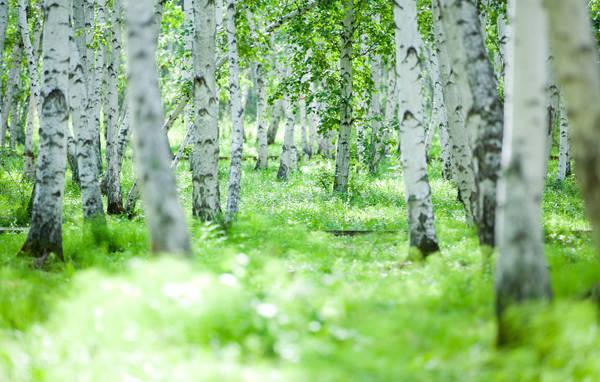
x: 281, y: 298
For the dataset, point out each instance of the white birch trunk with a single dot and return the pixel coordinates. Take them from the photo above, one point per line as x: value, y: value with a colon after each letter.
x: 205, y: 155
x: 421, y: 220
x: 484, y: 120
x: 165, y: 217
x: 521, y: 270
x: 45, y: 233
x: 375, y: 114
x: 457, y: 99
x: 96, y: 95
x: 578, y: 73
x: 87, y: 162
x: 313, y: 120
x: 237, y: 112
x: 303, y: 128
x: 11, y: 86
x: 114, y: 202
x: 288, y: 151
x: 439, y: 116
x: 564, y: 154
x: 342, y: 160
x: 3, y: 27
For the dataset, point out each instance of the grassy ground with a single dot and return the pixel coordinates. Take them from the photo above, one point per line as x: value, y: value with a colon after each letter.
x: 279, y: 298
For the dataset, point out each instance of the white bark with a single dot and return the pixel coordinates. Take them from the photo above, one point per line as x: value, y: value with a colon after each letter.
x: 578, y: 73
x: 45, y: 233
x: 342, y: 160
x: 237, y: 112
x: 521, y: 269
x: 439, y: 116
x: 87, y: 162
x: 96, y: 95
x: 114, y: 196
x: 288, y: 151
x: 484, y: 122
x: 421, y: 220
x: 34, y: 90
x: 12, y: 84
x: 564, y: 154
x: 3, y: 26
x: 205, y: 155
x: 314, y: 120
x: 457, y: 98
x: 165, y: 217
x: 375, y: 113
x: 303, y: 128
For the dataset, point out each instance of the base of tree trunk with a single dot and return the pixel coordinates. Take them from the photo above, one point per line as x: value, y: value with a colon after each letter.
x: 115, y: 208
x: 426, y: 246
x: 41, y: 250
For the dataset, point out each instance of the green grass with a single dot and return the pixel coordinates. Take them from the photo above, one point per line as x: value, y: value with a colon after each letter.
x: 278, y: 298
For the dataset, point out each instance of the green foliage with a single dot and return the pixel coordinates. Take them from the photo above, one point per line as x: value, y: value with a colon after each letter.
x: 280, y: 298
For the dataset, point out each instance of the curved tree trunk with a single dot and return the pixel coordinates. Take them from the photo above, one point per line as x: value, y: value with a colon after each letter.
x: 521, y: 269
x: 165, y: 217
x: 577, y: 70
x: 342, y: 160
x: 205, y: 155
x: 237, y: 111
x: 45, y: 233
x: 421, y: 221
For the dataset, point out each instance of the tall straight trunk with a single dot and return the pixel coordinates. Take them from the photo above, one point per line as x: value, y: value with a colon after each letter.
x: 11, y: 86
x: 96, y: 95
x: 457, y: 99
x: 276, y: 114
x: 521, y: 269
x: 45, y: 232
x: 165, y: 217
x: 87, y: 162
x: 342, y: 160
x: 375, y: 114
x: 72, y: 157
x: 500, y: 60
x: 390, y: 114
x: 114, y: 197
x: 14, y: 113
x: 34, y: 90
x: 237, y: 111
x: 578, y: 73
x: 484, y: 117
x: 258, y: 74
x: 439, y: 116
x: 421, y: 221
x: 564, y: 153
x: 314, y: 120
x: 3, y: 27
x: 306, y: 149
x: 288, y: 151
x: 205, y: 155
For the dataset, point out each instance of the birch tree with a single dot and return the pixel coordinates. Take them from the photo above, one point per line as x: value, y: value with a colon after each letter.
x: 457, y: 99
x: 521, y: 269
x: 484, y: 116
x: 45, y: 232
x: 165, y: 217
x: 578, y: 73
x: 11, y: 86
x: 205, y: 155
x: 114, y: 203
x: 421, y: 221
x: 564, y: 152
x: 288, y: 151
x: 237, y: 113
x: 342, y: 160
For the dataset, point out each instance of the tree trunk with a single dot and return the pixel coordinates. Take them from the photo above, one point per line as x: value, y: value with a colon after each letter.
x: 521, y: 269
x: 375, y: 113
x: 484, y: 118
x: 276, y: 112
x: 421, y: 221
x: 114, y: 197
x: 578, y: 73
x: 457, y: 99
x: 3, y: 26
x: 564, y: 154
x: 342, y: 160
x: 237, y: 134
x: 287, y: 159
x: 314, y: 120
x: 165, y: 217
x: 306, y: 149
x: 439, y: 116
x: 87, y: 161
x: 205, y: 155
x: 45, y: 233
x: 12, y: 85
